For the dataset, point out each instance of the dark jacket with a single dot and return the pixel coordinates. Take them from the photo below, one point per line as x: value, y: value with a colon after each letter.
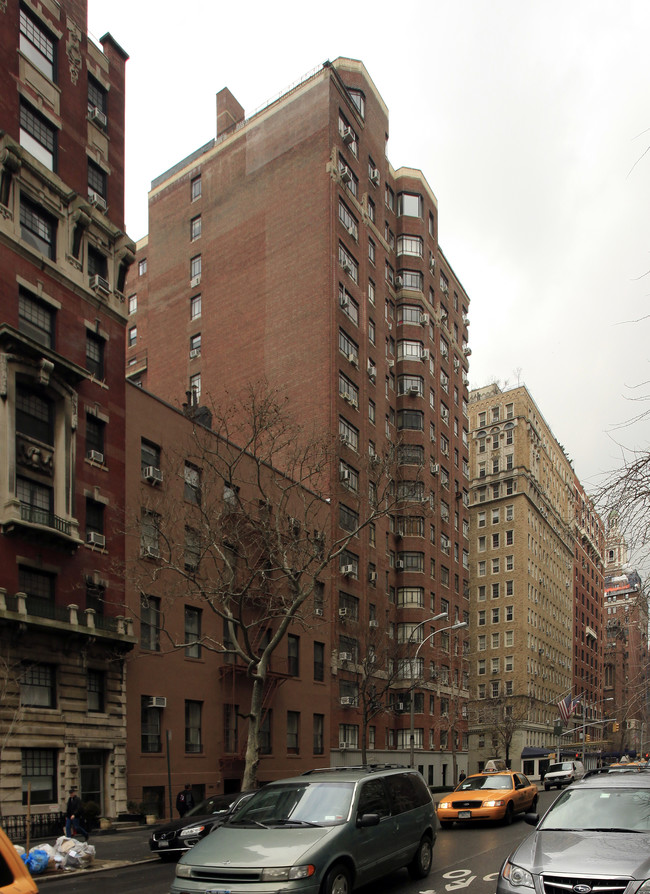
x: 73, y: 807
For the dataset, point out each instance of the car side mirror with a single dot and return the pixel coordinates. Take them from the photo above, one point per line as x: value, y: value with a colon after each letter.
x: 531, y: 818
x: 368, y: 819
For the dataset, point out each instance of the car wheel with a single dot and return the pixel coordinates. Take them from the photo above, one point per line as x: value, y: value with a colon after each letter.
x: 166, y: 857
x: 445, y: 824
x: 507, y: 819
x: 547, y: 788
x: 420, y: 865
x: 533, y: 806
x: 337, y: 880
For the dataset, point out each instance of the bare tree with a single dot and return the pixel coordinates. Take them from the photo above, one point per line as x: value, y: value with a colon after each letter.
x: 501, y: 718
x: 257, y: 542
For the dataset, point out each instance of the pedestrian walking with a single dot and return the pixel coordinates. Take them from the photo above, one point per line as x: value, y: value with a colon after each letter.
x: 184, y: 800
x: 73, y: 816
x: 462, y: 776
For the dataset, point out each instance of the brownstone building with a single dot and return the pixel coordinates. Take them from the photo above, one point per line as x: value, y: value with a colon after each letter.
x: 63, y: 260
x: 288, y: 249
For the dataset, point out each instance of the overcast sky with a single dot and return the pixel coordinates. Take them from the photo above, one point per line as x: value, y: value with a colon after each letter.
x: 527, y: 118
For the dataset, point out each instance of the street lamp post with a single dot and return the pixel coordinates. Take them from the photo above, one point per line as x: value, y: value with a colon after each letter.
x: 459, y: 625
x: 584, y: 723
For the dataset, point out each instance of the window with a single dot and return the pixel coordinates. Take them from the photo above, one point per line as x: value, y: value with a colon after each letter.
x: 348, y: 263
x: 142, y: 267
x: 348, y: 177
x: 39, y: 774
x: 37, y: 44
x: 96, y: 691
x: 319, y: 661
x: 195, y: 188
x: 133, y: 304
x: 293, y: 655
x: 192, y: 632
x: 349, y: 135
x: 150, y: 738
x: 319, y: 734
x: 38, y: 136
x: 348, y: 433
x: 230, y: 727
x: 97, y: 181
x: 95, y: 354
x: 293, y: 732
x: 409, y: 350
x: 195, y: 345
x: 412, y: 279
x: 409, y: 205
x: 37, y: 228
x: 195, y: 228
x: 410, y: 245
x: 195, y: 388
x: 195, y: 267
x: 193, y: 744
x: 192, y: 477
x: 95, y: 430
x: 132, y: 337
x: 36, y: 319
x: 38, y: 686
x: 97, y: 102
x: 149, y: 623
x: 195, y: 307
x: 94, y: 517
x: 411, y: 385
x: 266, y: 727
x: 348, y: 220
x: 411, y: 420
x: 358, y: 100
x: 36, y: 500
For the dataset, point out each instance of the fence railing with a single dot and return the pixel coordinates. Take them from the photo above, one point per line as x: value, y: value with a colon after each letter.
x: 41, y: 825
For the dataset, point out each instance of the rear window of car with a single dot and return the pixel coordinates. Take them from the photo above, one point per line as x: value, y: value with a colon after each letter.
x: 405, y: 793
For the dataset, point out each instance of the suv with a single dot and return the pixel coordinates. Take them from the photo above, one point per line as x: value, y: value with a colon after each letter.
x: 563, y: 773
x: 594, y: 837
x: 326, y: 831
x: 173, y: 839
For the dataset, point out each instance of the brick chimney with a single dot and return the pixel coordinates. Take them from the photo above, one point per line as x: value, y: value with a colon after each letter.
x: 229, y: 112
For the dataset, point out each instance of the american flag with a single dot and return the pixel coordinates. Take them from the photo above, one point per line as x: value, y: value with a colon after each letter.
x: 567, y: 706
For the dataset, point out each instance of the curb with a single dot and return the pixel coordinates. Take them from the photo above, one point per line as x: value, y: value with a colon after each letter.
x: 97, y: 866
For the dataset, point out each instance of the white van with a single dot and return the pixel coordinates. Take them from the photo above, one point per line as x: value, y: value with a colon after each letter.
x: 563, y: 773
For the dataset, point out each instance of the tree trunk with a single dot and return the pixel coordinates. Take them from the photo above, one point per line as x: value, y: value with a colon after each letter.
x: 252, y: 759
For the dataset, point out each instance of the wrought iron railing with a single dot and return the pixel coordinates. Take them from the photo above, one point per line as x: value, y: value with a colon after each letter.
x: 40, y: 825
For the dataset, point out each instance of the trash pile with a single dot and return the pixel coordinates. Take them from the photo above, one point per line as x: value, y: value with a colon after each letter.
x: 67, y: 853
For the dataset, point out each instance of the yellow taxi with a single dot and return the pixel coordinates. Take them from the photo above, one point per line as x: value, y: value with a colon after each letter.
x: 488, y: 796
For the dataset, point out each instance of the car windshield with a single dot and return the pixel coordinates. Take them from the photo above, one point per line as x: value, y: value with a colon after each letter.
x: 216, y: 804
x: 624, y: 810
x: 475, y: 783
x: 298, y: 804
x: 558, y: 768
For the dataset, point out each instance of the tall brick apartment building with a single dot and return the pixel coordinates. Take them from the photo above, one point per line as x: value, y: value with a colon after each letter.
x: 288, y: 249
x: 63, y: 260
x: 536, y: 580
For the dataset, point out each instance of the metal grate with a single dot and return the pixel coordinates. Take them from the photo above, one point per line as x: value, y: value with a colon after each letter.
x: 561, y: 884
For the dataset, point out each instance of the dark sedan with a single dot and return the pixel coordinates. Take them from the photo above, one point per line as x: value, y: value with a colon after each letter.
x: 595, y: 837
x: 177, y: 837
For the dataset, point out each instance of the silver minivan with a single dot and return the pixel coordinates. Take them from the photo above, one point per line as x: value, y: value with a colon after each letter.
x: 326, y: 832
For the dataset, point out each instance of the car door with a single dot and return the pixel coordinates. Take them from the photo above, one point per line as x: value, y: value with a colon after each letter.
x: 524, y: 793
x: 373, y: 846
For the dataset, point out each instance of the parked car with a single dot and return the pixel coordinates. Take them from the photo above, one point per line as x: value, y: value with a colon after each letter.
x: 488, y: 796
x: 594, y: 837
x: 14, y: 875
x: 173, y: 839
x: 563, y: 773
x: 326, y: 832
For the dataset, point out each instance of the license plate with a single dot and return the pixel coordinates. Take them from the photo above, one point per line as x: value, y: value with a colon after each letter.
x: 464, y: 814
x: 163, y: 844
x: 218, y: 891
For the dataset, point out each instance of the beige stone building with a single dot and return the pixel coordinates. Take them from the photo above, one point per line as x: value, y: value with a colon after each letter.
x: 521, y: 601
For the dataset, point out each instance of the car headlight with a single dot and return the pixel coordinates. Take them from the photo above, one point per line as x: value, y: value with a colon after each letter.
x: 645, y: 887
x: 444, y: 805
x: 191, y: 830
x: 286, y: 873
x: 518, y: 877
x: 183, y: 870
x: 494, y: 803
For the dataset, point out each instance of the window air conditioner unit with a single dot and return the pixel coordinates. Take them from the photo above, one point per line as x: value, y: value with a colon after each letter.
x: 152, y: 474
x: 424, y: 319
x: 414, y: 391
x: 372, y: 577
x: 95, y: 539
x: 343, y: 745
x: 347, y: 569
x: 157, y: 701
x: 348, y: 135
x: 445, y: 288
x: 345, y: 656
x: 374, y: 176
x: 150, y: 552
x: 344, y: 440
x: 344, y: 475
x: 373, y: 623
x: 435, y: 468
x: 195, y: 281
x: 465, y: 319
x: 372, y: 370
x: 95, y: 456
x: 98, y: 201
x: 318, y: 612
x: 343, y: 613
x: 432, y: 263
x: 399, y: 282
x: 353, y: 359
x: 424, y: 356
x: 352, y: 231
x: 465, y: 379
x: 346, y: 266
x: 399, y: 706
x: 97, y: 116
x: 467, y: 350
x: 374, y: 458
x: 456, y: 363
x: 194, y: 353
x: 99, y: 284
x: 390, y: 364
x: 344, y: 302
x: 399, y: 565
x: 346, y: 174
